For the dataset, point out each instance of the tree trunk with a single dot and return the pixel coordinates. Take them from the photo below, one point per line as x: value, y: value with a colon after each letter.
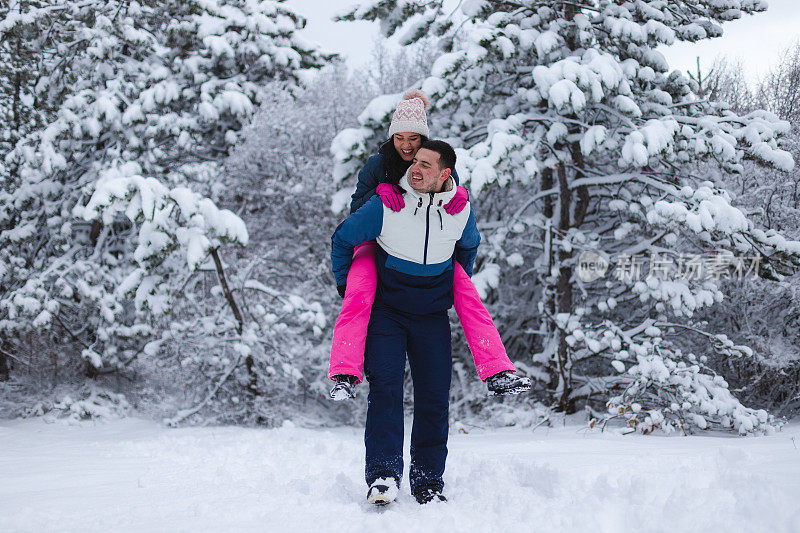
x: 5, y: 365
x: 571, y: 214
x: 226, y: 291
x: 249, y: 361
x: 564, y: 294
x: 252, y: 386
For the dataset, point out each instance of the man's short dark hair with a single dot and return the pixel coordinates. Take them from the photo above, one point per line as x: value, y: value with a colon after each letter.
x: 447, y: 156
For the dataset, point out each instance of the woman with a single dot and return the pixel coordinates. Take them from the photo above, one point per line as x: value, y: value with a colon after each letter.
x: 381, y: 174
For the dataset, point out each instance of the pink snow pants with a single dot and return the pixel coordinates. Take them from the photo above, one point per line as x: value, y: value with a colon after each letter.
x: 350, y: 331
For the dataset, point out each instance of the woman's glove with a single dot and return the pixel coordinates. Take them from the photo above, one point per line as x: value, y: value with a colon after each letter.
x: 391, y: 196
x: 459, y: 201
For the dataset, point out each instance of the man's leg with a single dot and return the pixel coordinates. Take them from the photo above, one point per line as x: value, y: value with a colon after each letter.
x: 429, y: 354
x: 384, y: 366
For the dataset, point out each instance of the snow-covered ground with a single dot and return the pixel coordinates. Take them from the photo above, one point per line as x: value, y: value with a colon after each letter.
x: 133, y: 475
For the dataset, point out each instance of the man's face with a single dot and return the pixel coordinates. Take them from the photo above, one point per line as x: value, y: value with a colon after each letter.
x: 424, y: 174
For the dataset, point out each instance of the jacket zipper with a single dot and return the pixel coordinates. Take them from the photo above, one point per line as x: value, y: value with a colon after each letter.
x: 427, y: 230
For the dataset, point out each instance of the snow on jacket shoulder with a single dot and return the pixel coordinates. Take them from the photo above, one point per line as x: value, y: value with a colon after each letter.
x: 416, y: 248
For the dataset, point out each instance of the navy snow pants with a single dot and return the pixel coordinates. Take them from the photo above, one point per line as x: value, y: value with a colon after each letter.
x: 426, y: 339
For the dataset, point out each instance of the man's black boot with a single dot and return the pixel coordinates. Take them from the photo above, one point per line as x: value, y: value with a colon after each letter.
x: 382, y: 491
x: 429, y: 495
x: 344, y: 389
x: 507, y: 383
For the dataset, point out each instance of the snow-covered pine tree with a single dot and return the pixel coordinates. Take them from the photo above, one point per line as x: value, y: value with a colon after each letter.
x: 576, y: 137
x: 761, y: 313
x: 19, y: 69
x: 151, y: 95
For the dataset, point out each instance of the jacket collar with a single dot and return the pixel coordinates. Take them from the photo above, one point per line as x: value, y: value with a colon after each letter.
x: 445, y: 196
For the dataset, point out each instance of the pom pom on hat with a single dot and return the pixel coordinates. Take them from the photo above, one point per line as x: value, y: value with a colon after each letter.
x: 416, y: 93
x: 410, y: 114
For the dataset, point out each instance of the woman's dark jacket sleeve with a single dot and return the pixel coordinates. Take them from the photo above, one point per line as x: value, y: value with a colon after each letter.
x: 368, y: 178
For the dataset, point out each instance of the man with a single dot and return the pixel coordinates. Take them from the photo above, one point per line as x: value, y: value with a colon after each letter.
x: 416, y: 249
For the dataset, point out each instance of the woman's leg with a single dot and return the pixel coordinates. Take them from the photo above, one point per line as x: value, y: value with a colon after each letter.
x: 350, y: 331
x: 482, y: 337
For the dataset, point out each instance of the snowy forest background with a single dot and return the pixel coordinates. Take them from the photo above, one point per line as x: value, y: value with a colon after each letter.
x: 172, y: 173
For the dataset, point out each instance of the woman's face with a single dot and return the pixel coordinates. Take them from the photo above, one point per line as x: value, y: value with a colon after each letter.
x: 407, y: 143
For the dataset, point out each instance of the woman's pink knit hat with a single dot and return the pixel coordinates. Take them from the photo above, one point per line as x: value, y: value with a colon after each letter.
x: 410, y: 114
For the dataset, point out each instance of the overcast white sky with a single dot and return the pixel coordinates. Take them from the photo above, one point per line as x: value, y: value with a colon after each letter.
x: 755, y: 41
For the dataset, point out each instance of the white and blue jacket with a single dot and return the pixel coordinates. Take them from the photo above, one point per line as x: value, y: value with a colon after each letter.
x: 416, y: 248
